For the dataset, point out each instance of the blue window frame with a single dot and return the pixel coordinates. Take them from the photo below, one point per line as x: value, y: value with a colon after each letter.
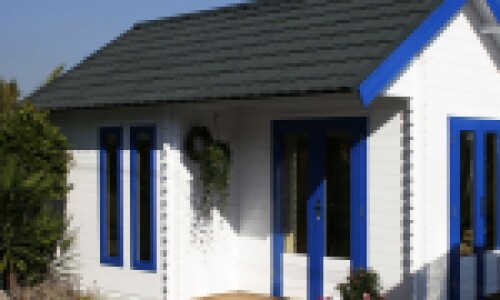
x: 474, y: 143
x: 110, y: 194
x: 142, y: 197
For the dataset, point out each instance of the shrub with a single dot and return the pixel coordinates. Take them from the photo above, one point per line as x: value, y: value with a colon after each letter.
x: 361, y: 283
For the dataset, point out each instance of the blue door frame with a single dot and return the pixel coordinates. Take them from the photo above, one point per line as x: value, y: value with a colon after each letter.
x: 480, y: 128
x: 316, y: 130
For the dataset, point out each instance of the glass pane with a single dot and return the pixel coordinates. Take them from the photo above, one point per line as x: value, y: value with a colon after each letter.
x: 143, y: 183
x: 466, y: 192
x: 111, y: 144
x: 491, y: 190
x: 295, y: 192
x: 338, y: 195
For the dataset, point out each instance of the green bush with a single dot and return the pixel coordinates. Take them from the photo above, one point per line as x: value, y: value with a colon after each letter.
x: 35, y: 161
x: 359, y: 283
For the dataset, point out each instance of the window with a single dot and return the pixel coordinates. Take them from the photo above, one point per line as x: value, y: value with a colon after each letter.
x: 142, y: 196
x: 338, y: 193
x: 110, y: 181
x: 466, y: 192
x: 295, y: 192
x: 491, y: 191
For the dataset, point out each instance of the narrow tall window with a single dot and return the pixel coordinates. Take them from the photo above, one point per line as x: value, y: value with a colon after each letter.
x: 338, y: 193
x: 491, y: 191
x: 295, y: 192
x: 142, y: 184
x: 466, y: 192
x: 110, y: 196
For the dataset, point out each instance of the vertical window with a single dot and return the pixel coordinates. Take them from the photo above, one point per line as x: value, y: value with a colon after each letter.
x: 491, y: 191
x: 142, y: 195
x: 338, y: 193
x: 295, y: 192
x: 466, y: 192
x: 110, y: 196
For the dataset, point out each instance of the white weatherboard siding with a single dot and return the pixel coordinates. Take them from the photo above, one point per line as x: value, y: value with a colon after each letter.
x: 82, y: 130
x: 248, y: 127
x: 234, y: 251
x: 206, y: 250
x: 457, y: 75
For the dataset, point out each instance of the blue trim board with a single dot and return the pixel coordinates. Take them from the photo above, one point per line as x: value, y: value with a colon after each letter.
x: 316, y: 131
x: 276, y: 215
x: 479, y: 217
x: 498, y: 193
x: 495, y: 8
x: 136, y: 263
x: 317, y: 193
x: 399, y: 59
x: 103, y: 247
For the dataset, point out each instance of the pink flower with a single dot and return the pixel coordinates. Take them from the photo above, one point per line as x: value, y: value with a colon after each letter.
x: 366, y: 296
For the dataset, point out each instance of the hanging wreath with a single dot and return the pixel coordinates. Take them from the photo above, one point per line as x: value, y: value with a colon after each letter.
x: 198, y: 138
x: 214, y: 158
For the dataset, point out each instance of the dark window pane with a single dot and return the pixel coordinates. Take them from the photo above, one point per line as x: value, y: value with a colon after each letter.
x: 111, y: 148
x: 491, y: 190
x: 338, y: 202
x: 295, y: 192
x: 466, y: 192
x: 143, y: 197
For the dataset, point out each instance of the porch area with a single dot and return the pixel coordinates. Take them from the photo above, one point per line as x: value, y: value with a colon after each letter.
x: 242, y: 252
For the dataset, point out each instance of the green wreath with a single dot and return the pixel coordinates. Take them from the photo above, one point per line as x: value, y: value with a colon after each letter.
x: 197, y: 140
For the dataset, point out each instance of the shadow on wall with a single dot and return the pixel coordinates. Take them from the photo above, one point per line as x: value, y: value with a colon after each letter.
x: 430, y: 282
x: 433, y: 281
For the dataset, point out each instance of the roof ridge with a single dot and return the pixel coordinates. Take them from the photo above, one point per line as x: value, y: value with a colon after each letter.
x: 242, y: 6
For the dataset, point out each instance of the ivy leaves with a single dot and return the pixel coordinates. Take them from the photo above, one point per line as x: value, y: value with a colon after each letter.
x: 215, y: 165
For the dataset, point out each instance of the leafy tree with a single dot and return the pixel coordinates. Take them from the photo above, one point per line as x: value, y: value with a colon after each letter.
x: 54, y: 74
x: 9, y: 93
x: 34, y: 164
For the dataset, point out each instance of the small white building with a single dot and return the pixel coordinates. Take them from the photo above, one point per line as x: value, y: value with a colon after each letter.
x: 362, y: 134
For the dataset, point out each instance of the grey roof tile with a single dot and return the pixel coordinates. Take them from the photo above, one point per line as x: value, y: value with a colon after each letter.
x: 261, y: 48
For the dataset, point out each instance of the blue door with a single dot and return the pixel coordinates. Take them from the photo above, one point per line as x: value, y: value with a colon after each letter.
x: 319, y: 197
x: 474, y: 208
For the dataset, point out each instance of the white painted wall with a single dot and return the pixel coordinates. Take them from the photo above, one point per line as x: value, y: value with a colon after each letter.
x: 82, y: 130
x: 250, y: 136
x: 234, y: 251
x: 457, y: 75
x: 206, y: 251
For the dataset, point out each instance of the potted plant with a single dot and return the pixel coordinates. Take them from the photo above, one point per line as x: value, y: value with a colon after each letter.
x: 214, y: 157
x: 361, y: 285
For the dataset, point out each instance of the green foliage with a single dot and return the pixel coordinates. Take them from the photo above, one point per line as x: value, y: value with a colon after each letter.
x: 9, y: 94
x: 215, y: 165
x: 55, y: 73
x: 359, y: 283
x: 34, y: 160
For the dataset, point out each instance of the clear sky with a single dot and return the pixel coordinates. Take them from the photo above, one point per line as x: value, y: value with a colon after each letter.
x: 38, y: 35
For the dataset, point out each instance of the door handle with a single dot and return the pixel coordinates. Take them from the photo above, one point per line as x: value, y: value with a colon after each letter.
x: 317, y: 209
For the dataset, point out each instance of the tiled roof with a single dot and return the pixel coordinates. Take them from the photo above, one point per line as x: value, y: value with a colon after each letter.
x: 251, y: 50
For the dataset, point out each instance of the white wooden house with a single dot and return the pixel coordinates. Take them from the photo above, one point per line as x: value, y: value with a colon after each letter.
x: 362, y: 134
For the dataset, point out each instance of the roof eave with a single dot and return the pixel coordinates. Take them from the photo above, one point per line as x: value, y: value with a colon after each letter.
x: 380, y: 79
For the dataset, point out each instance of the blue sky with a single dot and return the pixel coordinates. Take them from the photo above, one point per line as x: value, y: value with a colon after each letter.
x: 38, y: 35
